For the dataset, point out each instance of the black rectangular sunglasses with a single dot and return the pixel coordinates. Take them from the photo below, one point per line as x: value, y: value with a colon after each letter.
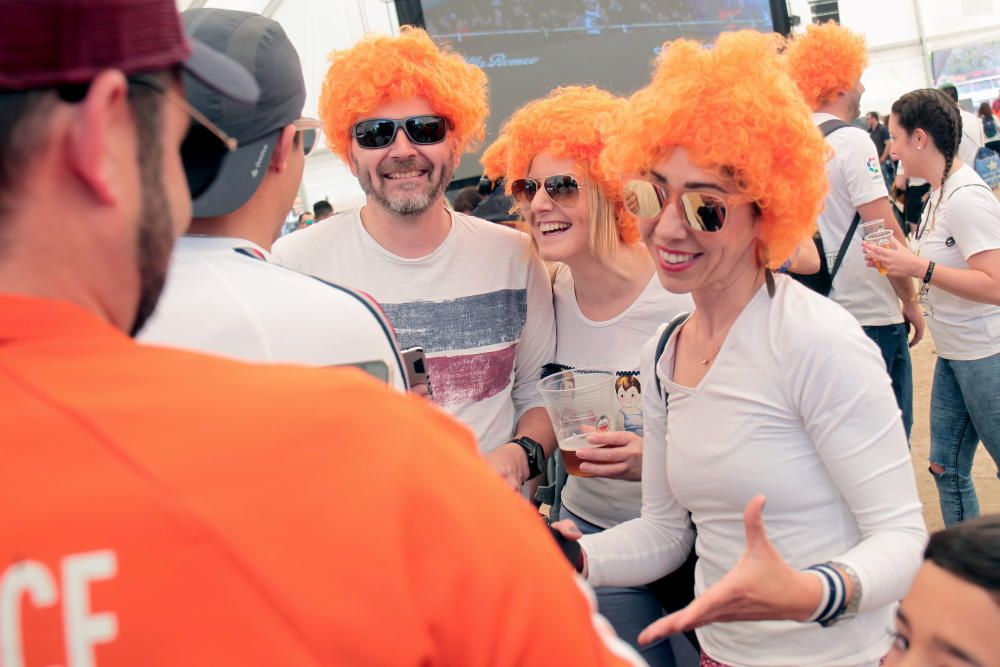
x: 420, y: 130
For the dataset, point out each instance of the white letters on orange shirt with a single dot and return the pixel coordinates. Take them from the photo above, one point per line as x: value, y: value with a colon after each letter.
x: 82, y: 630
x: 26, y: 577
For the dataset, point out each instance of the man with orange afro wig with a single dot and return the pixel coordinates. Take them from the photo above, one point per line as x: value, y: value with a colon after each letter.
x: 400, y: 111
x: 826, y: 64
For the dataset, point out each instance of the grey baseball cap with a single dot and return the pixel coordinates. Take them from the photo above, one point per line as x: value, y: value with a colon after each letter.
x: 263, y: 48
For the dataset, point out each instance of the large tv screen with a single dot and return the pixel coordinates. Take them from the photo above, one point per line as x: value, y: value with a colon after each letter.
x: 528, y: 47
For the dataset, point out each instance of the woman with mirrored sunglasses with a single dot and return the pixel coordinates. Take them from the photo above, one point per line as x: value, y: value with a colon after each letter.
x: 774, y: 392
x: 607, y: 301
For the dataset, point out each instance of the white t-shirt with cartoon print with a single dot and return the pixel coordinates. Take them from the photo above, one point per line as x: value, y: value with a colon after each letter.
x: 612, y: 345
x: 855, y: 179
x: 966, y: 223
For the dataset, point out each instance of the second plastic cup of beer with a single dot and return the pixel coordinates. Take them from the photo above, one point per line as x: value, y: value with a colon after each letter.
x: 580, y: 404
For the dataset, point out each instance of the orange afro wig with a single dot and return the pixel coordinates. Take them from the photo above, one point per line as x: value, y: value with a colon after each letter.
x: 381, y: 69
x: 565, y: 123
x: 828, y: 60
x: 762, y: 136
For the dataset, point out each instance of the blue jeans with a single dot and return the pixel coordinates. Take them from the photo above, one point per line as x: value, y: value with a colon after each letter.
x: 891, y: 340
x: 629, y: 610
x: 965, y: 408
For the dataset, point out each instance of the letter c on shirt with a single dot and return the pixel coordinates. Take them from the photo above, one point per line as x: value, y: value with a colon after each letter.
x: 82, y: 629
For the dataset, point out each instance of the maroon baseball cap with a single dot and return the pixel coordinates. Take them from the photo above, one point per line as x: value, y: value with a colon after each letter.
x: 48, y: 43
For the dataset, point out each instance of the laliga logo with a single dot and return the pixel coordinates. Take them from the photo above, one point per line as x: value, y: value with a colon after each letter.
x: 872, y: 163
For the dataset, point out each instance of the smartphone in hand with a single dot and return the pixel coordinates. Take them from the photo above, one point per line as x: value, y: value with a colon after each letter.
x: 416, y: 367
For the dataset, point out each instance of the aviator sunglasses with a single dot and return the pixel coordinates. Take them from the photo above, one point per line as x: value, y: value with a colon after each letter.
x: 702, y: 211
x: 420, y: 130
x: 562, y: 189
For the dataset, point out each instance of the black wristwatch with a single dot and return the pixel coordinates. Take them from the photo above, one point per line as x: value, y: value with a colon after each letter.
x: 535, y: 454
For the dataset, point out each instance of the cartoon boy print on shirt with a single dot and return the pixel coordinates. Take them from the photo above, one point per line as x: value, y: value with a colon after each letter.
x: 629, y: 393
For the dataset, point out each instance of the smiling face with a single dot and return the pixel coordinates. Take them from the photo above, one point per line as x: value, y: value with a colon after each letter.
x: 904, y: 147
x: 628, y: 398
x: 562, y: 233
x: 946, y: 621
x: 686, y: 260
x: 404, y: 178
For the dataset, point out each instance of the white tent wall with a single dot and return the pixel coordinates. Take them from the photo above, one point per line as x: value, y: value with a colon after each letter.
x: 902, y: 34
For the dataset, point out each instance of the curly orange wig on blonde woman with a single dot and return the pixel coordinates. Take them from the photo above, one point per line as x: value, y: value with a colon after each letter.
x: 381, y: 69
x: 765, y: 139
x: 828, y: 60
x: 565, y: 123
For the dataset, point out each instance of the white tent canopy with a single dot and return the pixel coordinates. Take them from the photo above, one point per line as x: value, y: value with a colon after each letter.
x: 900, y: 34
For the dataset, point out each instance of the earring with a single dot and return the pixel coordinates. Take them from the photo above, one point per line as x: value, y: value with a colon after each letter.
x: 920, y: 148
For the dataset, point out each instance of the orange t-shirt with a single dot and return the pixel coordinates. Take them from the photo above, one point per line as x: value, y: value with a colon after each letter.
x: 161, y: 507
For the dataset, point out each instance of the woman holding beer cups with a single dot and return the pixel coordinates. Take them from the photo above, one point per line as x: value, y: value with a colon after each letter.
x: 957, y: 261
x: 607, y: 301
x: 774, y: 391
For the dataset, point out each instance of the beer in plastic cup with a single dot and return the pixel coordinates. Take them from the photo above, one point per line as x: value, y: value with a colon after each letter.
x: 881, y: 238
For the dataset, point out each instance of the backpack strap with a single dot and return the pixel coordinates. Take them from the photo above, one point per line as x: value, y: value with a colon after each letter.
x: 844, y: 245
x: 661, y: 345
x: 827, y: 128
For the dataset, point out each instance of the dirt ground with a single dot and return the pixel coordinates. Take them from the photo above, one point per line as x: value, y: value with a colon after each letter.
x: 984, y: 472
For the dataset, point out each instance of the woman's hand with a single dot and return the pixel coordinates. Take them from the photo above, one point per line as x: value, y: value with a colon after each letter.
x: 618, y: 457
x: 897, y: 261
x: 761, y: 587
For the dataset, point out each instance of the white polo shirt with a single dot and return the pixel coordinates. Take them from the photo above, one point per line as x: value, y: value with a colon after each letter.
x: 855, y: 179
x: 222, y: 296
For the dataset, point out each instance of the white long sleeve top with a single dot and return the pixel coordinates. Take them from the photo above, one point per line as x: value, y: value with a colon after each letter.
x: 797, y: 406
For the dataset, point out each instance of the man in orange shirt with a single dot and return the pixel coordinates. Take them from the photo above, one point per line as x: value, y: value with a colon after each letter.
x: 161, y: 507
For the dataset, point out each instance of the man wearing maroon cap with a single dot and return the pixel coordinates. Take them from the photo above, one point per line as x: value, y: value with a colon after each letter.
x: 157, y: 508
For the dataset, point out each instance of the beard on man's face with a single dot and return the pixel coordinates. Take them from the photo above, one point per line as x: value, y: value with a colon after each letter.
x: 409, y: 202
x: 154, y: 229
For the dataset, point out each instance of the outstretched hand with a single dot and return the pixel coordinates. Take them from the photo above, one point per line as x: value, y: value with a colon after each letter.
x: 762, y: 586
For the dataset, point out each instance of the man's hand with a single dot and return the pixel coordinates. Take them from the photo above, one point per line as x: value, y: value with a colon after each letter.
x: 761, y: 587
x: 421, y: 390
x: 618, y: 457
x: 914, y: 317
x: 511, y: 463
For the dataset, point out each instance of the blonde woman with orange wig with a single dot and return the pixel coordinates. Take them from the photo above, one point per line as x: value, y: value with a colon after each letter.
x: 607, y: 299
x: 774, y: 391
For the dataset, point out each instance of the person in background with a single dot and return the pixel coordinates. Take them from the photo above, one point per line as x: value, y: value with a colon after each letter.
x: 306, y: 218
x: 956, y: 259
x: 990, y: 130
x: 323, y: 210
x: 608, y: 303
x: 826, y: 64
x: 880, y: 137
x: 952, y: 612
x: 971, y: 130
x: 467, y: 199
x: 400, y: 111
x: 222, y: 296
x: 775, y: 394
